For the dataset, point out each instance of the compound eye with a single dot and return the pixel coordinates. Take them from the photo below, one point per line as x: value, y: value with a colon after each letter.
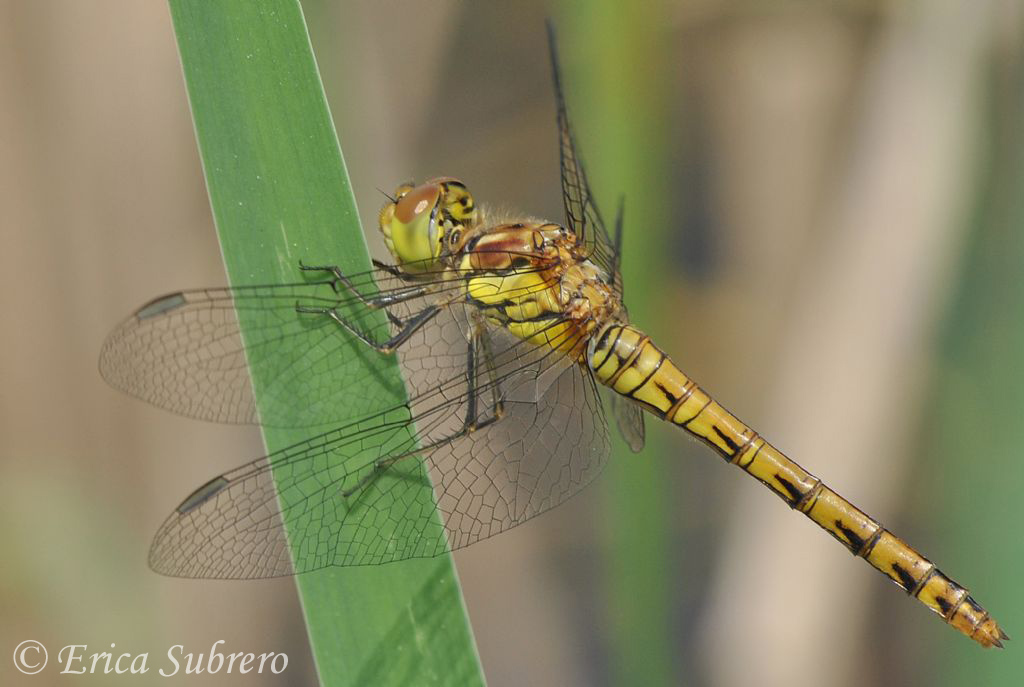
x: 401, y: 192
x: 411, y: 227
x: 454, y: 237
x: 415, y: 202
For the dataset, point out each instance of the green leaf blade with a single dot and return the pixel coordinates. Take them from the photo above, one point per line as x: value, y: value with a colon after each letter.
x: 280, y: 194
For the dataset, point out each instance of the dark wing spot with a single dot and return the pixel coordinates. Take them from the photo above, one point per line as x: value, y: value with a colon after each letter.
x: 203, y: 494
x: 161, y: 305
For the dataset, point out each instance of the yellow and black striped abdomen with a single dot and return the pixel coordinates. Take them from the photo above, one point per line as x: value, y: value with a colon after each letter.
x: 625, y: 359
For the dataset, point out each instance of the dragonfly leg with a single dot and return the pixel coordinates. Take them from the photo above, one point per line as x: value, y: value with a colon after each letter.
x: 376, y: 302
x: 470, y: 424
x: 383, y: 465
x: 406, y: 328
x: 394, y: 270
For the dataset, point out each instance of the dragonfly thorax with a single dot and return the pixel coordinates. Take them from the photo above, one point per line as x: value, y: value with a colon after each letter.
x: 529, y: 278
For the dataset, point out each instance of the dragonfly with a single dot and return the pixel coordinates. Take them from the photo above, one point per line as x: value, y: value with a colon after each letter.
x: 516, y: 348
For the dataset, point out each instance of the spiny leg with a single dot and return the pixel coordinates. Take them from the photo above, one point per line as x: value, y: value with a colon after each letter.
x: 394, y: 271
x: 378, y: 301
x: 476, y: 346
x: 470, y: 424
x: 406, y: 328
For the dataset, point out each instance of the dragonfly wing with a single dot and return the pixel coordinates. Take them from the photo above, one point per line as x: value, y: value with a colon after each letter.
x: 551, y: 441
x: 581, y: 211
x: 359, y: 494
x: 185, y: 352
x: 630, y: 420
x: 234, y: 526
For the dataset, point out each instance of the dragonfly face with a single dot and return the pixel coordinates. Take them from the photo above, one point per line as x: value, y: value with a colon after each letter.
x: 424, y: 222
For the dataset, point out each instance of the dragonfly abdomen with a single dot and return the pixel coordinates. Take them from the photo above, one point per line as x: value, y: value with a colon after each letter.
x: 625, y: 359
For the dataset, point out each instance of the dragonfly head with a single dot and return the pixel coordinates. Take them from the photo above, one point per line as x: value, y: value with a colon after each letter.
x: 423, y: 223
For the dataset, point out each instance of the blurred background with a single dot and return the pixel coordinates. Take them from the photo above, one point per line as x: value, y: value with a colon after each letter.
x: 824, y: 226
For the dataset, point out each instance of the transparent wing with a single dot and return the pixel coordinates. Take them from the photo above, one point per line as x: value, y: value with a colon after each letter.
x: 358, y: 494
x: 629, y: 419
x: 184, y: 352
x: 581, y: 211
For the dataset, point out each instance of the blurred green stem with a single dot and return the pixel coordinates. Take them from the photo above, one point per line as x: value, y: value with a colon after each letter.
x: 619, y: 110
x: 975, y: 428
